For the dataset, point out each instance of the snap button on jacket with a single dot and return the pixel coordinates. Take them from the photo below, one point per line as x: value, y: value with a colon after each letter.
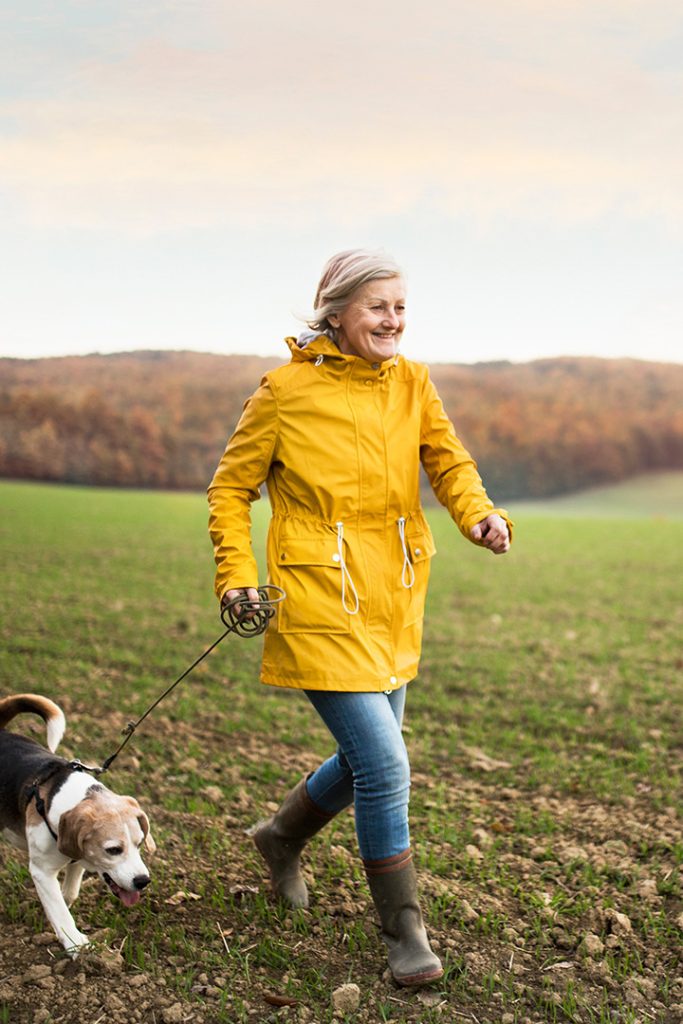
x: 339, y: 442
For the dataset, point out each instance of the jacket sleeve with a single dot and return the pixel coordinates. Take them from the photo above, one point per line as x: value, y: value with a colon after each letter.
x: 235, y: 485
x: 451, y: 469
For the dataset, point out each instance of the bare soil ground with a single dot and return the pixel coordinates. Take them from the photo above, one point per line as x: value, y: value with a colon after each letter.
x: 545, y: 739
x: 514, y: 914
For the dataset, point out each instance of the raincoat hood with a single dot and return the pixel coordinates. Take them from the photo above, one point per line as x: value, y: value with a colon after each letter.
x: 312, y: 345
x: 306, y: 337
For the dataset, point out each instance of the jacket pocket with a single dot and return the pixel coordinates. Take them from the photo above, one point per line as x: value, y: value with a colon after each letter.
x: 421, y: 548
x: 309, y: 572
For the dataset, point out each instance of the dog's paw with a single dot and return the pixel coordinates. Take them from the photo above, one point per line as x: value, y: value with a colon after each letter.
x: 74, y: 943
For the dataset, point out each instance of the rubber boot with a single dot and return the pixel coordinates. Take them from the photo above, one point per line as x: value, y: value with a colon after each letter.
x: 393, y: 884
x: 281, y: 839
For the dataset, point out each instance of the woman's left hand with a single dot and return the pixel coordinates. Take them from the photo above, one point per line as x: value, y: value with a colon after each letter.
x: 492, y: 533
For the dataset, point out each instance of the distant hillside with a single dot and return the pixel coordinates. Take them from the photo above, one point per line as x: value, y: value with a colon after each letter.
x: 161, y: 419
x: 554, y: 426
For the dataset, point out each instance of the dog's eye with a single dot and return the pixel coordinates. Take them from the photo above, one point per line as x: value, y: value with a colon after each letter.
x: 114, y: 851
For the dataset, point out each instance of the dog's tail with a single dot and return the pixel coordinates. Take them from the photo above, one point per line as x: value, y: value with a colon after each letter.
x: 52, y: 715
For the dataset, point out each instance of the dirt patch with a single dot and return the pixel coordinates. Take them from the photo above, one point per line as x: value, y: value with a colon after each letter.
x: 547, y: 909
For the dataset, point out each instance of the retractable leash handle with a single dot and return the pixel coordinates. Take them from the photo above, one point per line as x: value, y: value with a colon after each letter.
x: 241, y: 616
x: 250, y: 618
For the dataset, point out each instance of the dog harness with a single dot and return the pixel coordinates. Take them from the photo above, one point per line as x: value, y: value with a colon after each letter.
x: 33, y: 791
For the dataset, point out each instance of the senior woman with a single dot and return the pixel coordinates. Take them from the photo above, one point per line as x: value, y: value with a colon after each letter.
x: 338, y: 434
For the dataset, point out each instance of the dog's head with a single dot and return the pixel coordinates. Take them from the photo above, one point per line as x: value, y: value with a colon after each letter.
x: 107, y: 832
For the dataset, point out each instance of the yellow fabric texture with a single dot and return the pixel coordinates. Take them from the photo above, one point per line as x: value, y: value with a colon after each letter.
x: 339, y: 442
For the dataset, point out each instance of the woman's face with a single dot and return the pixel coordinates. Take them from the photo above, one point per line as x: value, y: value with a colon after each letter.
x: 372, y: 323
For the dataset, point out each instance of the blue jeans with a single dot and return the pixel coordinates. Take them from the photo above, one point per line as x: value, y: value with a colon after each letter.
x: 369, y: 769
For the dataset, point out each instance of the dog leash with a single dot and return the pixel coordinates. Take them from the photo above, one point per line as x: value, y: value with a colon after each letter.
x: 240, y: 616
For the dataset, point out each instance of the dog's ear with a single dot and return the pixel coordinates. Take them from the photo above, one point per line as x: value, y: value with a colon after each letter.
x: 148, y: 843
x: 71, y: 833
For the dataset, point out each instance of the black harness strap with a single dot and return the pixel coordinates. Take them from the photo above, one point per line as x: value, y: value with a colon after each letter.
x: 34, y: 794
x: 33, y: 791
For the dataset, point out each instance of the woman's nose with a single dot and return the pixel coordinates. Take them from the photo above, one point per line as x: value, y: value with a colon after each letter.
x: 392, y: 319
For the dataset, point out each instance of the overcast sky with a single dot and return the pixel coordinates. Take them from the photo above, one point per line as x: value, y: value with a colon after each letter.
x: 174, y: 174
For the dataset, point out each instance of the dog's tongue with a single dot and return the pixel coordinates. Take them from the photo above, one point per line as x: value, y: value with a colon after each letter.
x: 129, y: 899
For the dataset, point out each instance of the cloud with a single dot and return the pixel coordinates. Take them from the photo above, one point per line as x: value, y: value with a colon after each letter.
x: 268, y: 113
x: 139, y: 174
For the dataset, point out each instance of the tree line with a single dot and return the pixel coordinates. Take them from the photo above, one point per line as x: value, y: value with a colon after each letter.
x: 161, y: 419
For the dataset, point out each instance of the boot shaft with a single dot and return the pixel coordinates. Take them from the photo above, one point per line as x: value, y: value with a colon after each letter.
x: 393, y: 885
x: 281, y: 839
x: 298, y: 818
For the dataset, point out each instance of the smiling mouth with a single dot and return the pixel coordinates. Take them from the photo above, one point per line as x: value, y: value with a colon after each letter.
x: 129, y: 897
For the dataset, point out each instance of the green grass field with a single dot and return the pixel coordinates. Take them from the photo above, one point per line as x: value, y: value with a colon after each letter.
x: 657, y: 496
x: 545, y: 738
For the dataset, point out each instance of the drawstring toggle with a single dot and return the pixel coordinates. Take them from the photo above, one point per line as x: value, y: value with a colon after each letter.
x: 345, y: 574
x: 407, y: 572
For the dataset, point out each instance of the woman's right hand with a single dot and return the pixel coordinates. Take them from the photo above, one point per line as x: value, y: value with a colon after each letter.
x: 249, y: 600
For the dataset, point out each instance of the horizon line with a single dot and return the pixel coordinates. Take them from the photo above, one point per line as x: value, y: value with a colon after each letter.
x: 160, y: 352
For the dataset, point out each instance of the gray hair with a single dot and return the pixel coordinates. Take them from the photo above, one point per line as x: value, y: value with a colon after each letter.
x: 341, y: 276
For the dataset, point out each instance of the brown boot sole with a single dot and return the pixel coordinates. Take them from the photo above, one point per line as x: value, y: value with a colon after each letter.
x: 425, y: 978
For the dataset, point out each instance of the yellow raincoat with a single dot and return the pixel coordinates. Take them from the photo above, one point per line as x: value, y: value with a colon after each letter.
x: 339, y: 442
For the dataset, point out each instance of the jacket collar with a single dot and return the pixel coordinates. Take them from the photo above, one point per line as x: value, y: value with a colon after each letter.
x: 323, y: 346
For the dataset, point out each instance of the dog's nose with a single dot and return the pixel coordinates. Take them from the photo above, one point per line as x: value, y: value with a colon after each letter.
x: 141, y: 881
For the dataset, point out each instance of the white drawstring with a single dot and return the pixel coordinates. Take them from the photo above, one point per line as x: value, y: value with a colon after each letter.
x: 407, y: 564
x: 319, y: 359
x: 345, y: 574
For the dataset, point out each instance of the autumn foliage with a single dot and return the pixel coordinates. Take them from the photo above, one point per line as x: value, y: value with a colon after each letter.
x: 161, y: 419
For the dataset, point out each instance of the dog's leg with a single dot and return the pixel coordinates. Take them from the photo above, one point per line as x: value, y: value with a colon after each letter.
x: 56, y: 910
x: 71, y: 886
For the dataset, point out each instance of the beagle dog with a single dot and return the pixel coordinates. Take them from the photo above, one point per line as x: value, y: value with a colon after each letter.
x: 56, y: 811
